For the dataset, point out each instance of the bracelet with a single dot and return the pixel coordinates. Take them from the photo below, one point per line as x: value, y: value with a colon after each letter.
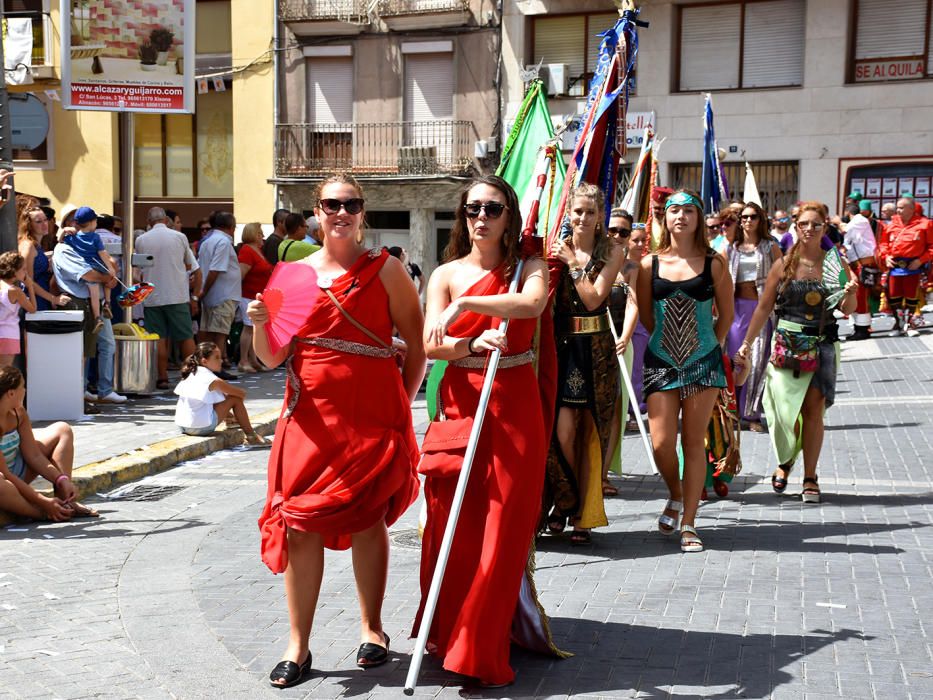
x: 62, y: 476
x: 470, y: 346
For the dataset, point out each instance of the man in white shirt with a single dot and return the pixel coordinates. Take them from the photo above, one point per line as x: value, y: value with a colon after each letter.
x: 220, y: 296
x: 859, y: 241
x: 167, y: 309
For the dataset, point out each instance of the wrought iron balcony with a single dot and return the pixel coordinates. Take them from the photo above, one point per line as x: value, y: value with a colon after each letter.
x: 424, y: 14
x: 351, y: 12
x: 389, y: 149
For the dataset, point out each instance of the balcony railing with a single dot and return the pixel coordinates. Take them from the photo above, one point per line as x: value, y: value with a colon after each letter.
x: 387, y: 149
x: 354, y: 11
x: 389, y: 8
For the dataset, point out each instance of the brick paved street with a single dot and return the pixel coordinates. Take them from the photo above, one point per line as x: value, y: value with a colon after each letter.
x: 168, y: 598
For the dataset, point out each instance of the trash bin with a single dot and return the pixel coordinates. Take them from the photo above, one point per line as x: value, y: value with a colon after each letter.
x: 55, y: 365
x: 135, y: 369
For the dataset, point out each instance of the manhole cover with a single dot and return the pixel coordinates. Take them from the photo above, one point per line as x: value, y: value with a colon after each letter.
x: 144, y: 493
x: 409, y: 539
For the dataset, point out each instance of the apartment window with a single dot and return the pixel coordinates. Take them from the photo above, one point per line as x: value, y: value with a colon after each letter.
x: 777, y: 181
x: 752, y: 44
x: 571, y: 40
x: 892, y: 41
x: 428, y: 110
x: 179, y: 155
x: 330, y: 89
x: 37, y: 12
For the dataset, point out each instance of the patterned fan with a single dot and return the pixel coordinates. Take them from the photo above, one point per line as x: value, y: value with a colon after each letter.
x: 289, y: 296
x: 834, y: 277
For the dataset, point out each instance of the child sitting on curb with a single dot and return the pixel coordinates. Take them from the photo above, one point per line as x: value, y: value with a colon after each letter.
x: 204, y: 400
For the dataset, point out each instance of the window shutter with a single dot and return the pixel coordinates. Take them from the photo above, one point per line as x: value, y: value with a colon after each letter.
x: 429, y: 87
x: 560, y: 40
x: 889, y: 29
x: 930, y: 47
x: 597, y: 25
x: 330, y: 90
x: 773, y: 54
x: 709, y: 47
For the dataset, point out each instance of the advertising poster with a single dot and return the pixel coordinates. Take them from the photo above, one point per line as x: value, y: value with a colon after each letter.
x: 922, y: 188
x: 905, y: 184
x: 890, y: 187
x: 873, y: 187
x: 858, y: 185
x: 135, y: 56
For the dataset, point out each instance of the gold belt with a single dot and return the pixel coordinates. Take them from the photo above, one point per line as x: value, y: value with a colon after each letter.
x: 479, y: 362
x: 584, y: 325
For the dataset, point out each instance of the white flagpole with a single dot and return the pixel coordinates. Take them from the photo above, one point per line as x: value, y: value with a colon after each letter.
x: 430, y: 605
x: 633, y: 400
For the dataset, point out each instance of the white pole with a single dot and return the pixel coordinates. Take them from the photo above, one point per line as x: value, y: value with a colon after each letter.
x: 427, y: 618
x: 633, y: 400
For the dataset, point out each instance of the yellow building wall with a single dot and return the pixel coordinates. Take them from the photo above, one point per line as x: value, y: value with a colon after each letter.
x: 253, y: 110
x: 86, y: 150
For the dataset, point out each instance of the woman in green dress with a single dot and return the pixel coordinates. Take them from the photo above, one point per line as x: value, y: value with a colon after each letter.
x: 803, y: 289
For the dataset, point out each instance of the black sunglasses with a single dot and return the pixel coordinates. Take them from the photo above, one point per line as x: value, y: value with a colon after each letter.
x: 620, y: 231
x: 749, y: 217
x: 493, y: 209
x: 332, y: 206
x: 205, y: 228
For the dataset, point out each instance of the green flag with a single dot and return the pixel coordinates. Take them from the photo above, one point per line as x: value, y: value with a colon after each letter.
x: 523, y: 152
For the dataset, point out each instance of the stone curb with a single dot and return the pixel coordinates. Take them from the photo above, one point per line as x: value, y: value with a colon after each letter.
x: 158, y: 457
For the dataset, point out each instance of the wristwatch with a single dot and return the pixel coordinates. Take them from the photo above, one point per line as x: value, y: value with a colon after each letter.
x: 576, y: 273
x: 194, y: 297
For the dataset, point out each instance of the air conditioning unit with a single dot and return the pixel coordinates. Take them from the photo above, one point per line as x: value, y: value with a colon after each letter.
x: 556, y: 77
x: 417, y: 160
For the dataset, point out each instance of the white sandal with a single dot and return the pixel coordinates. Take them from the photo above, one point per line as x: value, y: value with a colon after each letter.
x: 666, y: 524
x: 690, y: 544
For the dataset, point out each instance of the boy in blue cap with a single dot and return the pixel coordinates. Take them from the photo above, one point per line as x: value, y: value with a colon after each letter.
x: 86, y: 241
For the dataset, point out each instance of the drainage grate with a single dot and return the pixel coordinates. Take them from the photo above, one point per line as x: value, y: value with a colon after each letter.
x: 408, y: 539
x: 144, y: 493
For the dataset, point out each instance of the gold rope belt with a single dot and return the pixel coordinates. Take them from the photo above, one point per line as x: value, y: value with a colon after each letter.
x: 585, y: 325
x: 472, y: 362
x: 347, y: 346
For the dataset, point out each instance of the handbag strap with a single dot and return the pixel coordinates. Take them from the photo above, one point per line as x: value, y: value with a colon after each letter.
x: 359, y: 326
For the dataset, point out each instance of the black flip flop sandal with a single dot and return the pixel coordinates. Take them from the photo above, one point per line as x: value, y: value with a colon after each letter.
x: 290, y: 672
x: 370, y: 655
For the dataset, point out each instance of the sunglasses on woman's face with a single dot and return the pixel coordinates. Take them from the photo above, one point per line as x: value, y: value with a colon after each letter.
x: 333, y: 206
x: 749, y: 217
x: 493, y: 209
x: 205, y: 229
x: 620, y: 231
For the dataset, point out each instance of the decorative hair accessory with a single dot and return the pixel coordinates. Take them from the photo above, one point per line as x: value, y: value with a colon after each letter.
x: 681, y: 199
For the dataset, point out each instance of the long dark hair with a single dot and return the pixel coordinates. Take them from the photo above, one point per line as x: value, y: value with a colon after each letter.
x: 761, y: 227
x: 460, y: 244
x: 193, y: 361
x: 792, y: 259
x: 699, y: 237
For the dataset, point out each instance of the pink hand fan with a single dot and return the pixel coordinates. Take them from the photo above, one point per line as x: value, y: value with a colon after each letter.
x: 289, y: 296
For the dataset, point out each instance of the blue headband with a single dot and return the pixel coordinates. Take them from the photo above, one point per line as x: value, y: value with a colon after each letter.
x: 682, y: 198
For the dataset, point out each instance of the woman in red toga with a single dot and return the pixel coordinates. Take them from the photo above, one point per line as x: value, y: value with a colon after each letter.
x: 342, y: 466
x: 467, y: 298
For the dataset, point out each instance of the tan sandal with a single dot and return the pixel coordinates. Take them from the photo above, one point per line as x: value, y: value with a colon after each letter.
x: 689, y: 539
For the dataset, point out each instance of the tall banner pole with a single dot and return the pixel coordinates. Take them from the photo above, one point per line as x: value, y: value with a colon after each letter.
x: 128, y: 189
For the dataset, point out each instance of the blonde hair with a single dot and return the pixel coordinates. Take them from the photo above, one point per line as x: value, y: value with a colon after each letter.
x: 340, y: 179
x: 252, y: 232
x: 602, y: 244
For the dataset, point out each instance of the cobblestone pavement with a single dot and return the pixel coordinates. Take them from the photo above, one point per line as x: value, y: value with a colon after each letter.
x: 167, y: 597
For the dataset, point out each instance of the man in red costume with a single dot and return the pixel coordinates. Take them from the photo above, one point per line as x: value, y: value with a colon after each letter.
x: 906, y: 248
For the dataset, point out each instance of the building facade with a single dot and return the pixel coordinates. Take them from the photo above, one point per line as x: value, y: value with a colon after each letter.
x: 190, y: 163
x: 402, y: 94
x: 820, y: 96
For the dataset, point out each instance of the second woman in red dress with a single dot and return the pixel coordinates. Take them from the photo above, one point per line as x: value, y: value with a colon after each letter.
x: 467, y: 299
